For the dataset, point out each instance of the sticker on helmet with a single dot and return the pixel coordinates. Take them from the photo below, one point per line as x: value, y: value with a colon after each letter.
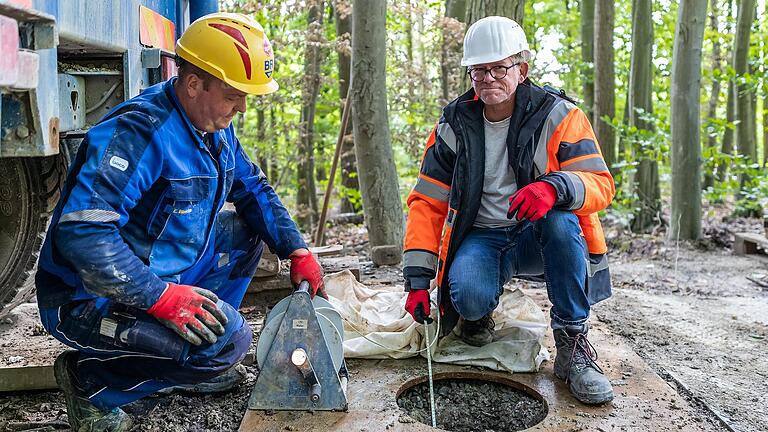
x: 268, y: 66
x: 268, y: 48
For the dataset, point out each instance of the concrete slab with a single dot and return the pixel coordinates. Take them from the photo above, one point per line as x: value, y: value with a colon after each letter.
x: 643, y: 400
x: 26, y: 378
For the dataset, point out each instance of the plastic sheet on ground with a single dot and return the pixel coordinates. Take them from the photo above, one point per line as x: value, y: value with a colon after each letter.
x: 376, y: 326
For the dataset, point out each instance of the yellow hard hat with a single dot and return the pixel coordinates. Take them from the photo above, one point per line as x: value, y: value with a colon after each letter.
x: 233, y: 48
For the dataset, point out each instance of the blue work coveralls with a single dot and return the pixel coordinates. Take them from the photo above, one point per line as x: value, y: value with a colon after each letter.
x: 142, y: 207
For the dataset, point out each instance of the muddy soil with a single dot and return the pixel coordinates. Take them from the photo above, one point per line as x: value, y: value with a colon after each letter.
x: 473, y: 406
x: 703, y: 326
x: 699, y: 316
x: 44, y: 411
x: 24, y: 341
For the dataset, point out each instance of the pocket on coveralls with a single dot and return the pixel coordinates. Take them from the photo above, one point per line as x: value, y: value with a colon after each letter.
x: 184, y: 211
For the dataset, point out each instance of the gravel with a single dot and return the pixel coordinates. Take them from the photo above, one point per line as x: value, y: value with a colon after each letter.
x: 472, y: 405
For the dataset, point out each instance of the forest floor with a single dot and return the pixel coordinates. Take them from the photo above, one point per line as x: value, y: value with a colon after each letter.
x: 696, y: 313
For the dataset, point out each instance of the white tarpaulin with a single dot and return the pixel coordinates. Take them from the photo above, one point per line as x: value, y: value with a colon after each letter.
x: 379, y: 315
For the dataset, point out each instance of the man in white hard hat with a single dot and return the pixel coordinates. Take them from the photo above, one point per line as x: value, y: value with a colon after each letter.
x: 510, y: 185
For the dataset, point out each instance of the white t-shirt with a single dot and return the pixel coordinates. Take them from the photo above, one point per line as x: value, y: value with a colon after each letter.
x: 499, y: 178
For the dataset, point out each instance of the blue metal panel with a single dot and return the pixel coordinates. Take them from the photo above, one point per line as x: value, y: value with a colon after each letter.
x: 198, y: 8
x: 90, y: 27
x: 105, y: 24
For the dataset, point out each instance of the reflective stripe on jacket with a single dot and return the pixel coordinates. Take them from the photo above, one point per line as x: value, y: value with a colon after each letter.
x: 550, y: 139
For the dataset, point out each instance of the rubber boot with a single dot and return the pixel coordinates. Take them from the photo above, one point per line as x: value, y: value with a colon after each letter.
x: 576, y: 363
x: 82, y: 414
x: 225, y: 382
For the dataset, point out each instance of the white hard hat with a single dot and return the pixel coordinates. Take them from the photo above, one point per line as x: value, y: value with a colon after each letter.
x: 492, y: 39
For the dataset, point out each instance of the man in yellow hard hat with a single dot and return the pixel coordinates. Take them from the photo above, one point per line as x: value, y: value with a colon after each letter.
x: 142, y: 272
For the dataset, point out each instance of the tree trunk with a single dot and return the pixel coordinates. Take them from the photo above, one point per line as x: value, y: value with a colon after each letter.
x: 753, y: 115
x: 378, y: 176
x: 730, y: 108
x: 765, y: 124
x: 349, y: 185
x: 450, y: 54
x: 744, y: 143
x: 456, y: 9
x: 640, y: 97
x: 605, y: 87
x: 685, y: 109
x: 714, y: 98
x: 728, y: 134
x: 306, y: 196
x: 588, y: 55
x: 514, y: 9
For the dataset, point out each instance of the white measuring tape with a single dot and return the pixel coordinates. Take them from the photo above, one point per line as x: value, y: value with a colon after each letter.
x: 429, y: 372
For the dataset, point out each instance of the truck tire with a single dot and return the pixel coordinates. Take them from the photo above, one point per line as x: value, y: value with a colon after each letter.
x: 29, y: 190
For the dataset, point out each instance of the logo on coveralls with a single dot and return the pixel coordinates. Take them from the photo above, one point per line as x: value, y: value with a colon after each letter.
x: 119, y: 163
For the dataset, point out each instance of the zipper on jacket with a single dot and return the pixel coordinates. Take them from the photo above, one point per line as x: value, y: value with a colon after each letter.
x: 219, y: 186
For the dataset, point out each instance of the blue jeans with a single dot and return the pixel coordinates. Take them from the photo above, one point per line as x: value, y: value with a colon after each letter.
x: 490, y: 257
x: 126, y: 354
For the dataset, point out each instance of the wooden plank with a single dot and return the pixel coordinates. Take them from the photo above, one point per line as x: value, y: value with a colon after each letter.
x: 749, y: 243
x: 337, y: 264
x: 328, y: 250
x: 269, y: 264
x: 269, y: 290
x: 283, y: 280
x: 25, y: 378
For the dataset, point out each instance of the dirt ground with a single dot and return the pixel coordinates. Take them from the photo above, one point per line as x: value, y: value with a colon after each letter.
x: 695, y: 312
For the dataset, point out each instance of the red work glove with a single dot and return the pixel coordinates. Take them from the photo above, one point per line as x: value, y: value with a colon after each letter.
x: 305, y: 267
x: 417, y: 304
x: 532, y: 201
x: 191, y: 312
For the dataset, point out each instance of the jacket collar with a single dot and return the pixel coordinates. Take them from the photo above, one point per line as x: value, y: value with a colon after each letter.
x: 171, y: 92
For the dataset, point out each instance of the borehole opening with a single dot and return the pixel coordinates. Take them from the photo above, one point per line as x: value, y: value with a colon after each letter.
x: 473, y: 402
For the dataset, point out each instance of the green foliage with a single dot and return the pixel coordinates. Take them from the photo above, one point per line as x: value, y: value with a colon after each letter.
x: 415, y: 32
x: 640, y: 144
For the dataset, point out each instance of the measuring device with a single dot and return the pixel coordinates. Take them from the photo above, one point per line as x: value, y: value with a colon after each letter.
x: 300, y: 353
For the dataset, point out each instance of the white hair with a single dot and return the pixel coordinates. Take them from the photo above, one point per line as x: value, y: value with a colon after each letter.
x: 522, y: 56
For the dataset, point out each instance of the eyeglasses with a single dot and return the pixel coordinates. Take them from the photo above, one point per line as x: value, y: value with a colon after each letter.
x: 497, y: 72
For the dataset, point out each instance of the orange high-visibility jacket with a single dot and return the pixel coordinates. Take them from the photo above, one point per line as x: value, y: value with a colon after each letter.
x: 550, y: 139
